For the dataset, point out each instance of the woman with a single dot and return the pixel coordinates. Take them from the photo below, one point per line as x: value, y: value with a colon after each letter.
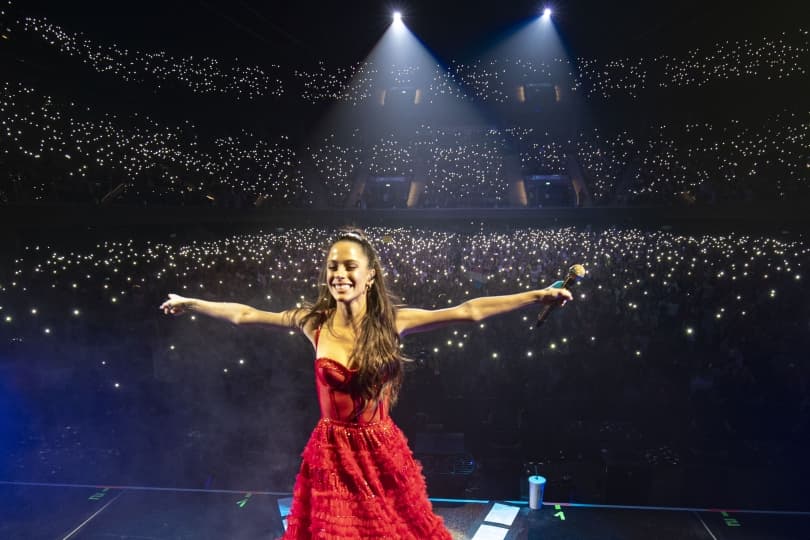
x: 358, y: 478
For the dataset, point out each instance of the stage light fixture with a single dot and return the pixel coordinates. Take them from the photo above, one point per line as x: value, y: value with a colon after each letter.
x: 547, y: 13
x: 397, y: 16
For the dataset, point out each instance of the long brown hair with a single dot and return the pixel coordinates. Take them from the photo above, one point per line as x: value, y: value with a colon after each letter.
x: 376, y: 353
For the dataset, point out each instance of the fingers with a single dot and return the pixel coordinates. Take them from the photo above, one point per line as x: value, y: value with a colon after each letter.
x: 172, y: 306
x: 171, y: 310
x: 563, y: 296
x: 562, y: 293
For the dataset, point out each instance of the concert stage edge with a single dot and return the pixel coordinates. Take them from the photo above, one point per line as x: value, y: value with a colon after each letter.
x: 70, y: 511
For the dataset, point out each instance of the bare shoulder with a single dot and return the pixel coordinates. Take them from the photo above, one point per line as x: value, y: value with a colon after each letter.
x: 403, y: 314
x: 406, y: 318
x: 309, y: 329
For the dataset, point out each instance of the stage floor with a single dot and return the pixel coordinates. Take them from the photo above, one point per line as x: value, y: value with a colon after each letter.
x: 72, y: 511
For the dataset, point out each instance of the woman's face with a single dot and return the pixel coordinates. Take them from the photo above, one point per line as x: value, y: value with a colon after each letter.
x: 347, y: 271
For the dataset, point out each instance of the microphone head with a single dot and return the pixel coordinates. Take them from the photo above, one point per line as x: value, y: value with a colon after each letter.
x: 576, y: 271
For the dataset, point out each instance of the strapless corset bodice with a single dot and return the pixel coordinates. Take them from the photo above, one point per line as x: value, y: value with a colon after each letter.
x: 337, y: 398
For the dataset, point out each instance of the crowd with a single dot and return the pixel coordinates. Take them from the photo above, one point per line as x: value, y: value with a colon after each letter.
x: 679, y: 348
x: 700, y: 161
x: 158, y: 68
x: 690, y: 341
x: 771, y: 58
x: 55, y: 150
x: 61, y: 152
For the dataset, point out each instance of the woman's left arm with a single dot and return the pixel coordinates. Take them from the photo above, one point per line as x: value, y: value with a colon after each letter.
x: 411, y: 320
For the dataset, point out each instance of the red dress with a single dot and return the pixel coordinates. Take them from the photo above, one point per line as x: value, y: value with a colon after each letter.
x: 358, y: 479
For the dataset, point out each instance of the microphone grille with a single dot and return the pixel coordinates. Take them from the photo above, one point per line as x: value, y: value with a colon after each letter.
x: 577, y: 271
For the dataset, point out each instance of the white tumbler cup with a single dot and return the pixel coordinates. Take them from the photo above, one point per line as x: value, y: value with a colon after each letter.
x: 537, y: 485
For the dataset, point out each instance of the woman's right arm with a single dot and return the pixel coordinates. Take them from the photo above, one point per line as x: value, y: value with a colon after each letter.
x: 230, y: 311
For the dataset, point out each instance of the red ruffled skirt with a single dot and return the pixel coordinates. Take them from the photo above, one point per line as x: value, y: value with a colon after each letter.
x: 361, y: 481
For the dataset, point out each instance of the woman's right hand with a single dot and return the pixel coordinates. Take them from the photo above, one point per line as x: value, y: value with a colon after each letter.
x: 175, y: 305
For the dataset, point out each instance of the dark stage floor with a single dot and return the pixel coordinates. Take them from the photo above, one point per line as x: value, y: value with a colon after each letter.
x: 73, y: 511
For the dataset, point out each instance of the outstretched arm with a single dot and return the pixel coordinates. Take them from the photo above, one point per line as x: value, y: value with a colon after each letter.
x: 411, y: 321
x: 230, y: 311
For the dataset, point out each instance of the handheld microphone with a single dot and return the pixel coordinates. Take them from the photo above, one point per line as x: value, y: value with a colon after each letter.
x: 576, y: 272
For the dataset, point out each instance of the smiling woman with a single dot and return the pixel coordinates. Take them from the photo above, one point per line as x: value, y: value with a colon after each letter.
x: 354, y: 303
x: 358, y: 477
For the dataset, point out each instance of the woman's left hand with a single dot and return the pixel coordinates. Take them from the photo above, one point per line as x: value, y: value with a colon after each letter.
x: 558, y: 296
